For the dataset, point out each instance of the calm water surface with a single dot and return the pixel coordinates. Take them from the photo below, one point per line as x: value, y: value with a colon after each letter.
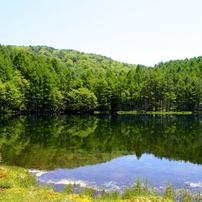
x: 106, y: 152
x: 122, y: 172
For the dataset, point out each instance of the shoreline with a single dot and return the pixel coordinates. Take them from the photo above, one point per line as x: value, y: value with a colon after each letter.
x: 24, y: 186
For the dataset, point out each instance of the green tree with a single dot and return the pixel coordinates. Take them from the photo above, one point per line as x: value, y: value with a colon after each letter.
x: 14, y: 98
x: 2, y: 96
x: 103, y: 93
x: 82, y: 100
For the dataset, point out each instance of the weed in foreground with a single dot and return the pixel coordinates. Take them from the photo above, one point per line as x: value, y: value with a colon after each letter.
x: 139, y: 189
x: 169, y: 192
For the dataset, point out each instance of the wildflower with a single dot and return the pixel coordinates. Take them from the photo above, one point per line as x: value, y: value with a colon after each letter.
x: 21, y: 176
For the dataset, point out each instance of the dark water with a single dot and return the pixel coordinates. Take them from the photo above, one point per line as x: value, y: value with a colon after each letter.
x: 106, y: 152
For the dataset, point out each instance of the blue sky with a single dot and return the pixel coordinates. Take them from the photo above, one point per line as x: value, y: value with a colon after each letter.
x: 133, y: 31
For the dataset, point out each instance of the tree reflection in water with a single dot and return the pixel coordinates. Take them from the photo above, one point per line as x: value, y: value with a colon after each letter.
x: 49, y: 142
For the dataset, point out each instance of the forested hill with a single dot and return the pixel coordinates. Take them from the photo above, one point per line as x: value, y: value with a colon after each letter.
x: 44, y: 79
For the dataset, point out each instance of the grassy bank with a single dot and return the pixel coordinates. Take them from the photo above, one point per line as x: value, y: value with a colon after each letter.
x: 18, y: 185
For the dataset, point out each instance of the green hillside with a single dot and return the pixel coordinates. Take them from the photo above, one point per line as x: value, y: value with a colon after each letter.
x: 43, y: 79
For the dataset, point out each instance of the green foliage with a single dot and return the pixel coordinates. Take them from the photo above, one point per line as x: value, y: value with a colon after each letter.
x: 16, y: 184
x: 88, y: 192
x: 107, y: 196
x: 169, y: 192
x: 139, y: 189
x: 69, y: 189
x: 81, y: 100
x: 43, y: 79
x: 12, y: 177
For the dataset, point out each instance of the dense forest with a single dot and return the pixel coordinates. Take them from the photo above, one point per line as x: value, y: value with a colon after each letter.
x: 43, y: 79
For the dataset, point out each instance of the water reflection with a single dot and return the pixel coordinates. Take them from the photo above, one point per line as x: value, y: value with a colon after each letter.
x: 123, y: 172
x: 74, y: 141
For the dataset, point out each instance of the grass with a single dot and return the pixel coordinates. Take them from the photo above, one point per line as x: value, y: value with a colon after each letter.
x: 170, y: 113
x: 18, y: 185
x: 156, y: 112
x: 128, y: 112
x: 148, y: 112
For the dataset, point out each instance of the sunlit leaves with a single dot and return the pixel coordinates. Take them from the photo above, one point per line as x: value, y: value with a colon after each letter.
x: 81, y: 99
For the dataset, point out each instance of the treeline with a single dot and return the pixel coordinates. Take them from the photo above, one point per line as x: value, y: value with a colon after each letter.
x: 44, y: 79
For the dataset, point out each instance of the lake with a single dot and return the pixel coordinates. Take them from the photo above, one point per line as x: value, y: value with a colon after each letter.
x: 106, y: 152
